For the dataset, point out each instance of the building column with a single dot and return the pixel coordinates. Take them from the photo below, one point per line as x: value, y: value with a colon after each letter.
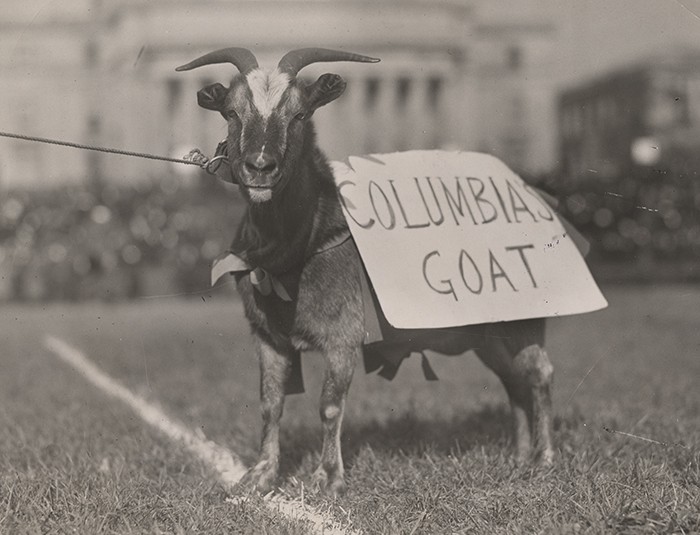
x: 192, y: 134
x: 420, y: 118
x: 384, y: 120
x: 461, y: 112
x: 355, y: 117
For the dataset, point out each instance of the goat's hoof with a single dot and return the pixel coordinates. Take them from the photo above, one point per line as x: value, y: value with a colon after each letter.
x: 522, y: 455
x: 545, y: 458
x: 331, y: 486
x: 336, y: 488
x: 260, y: 478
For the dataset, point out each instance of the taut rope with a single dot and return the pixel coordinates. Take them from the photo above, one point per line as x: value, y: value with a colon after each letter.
x: 195, y: 157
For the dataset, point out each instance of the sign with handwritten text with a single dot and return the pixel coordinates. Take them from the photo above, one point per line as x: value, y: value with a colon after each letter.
x: 457, y: 238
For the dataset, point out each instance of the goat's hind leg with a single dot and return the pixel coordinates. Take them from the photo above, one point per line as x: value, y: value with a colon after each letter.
x: 515, y: 352
x: 340, y: 364
x: 275, y: 367
x: 533, y: 367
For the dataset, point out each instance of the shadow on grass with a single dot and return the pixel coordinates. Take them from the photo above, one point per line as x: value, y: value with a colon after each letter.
x: 408, y: 434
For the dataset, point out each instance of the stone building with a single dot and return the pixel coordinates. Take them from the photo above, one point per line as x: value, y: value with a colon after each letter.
x: 454, y: 74
x: 44, y: 85
x: 645, y: 114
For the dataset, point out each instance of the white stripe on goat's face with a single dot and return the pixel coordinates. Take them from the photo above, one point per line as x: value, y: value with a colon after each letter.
x: 267, y: 88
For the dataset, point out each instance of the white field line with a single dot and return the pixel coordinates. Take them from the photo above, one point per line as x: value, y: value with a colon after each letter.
x: 221, y: 460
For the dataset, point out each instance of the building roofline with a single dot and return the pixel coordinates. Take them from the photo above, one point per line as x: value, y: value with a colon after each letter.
x: 44, y: 25
x: 499, y: 28
x: 671, y: 58
x: 464, y: 6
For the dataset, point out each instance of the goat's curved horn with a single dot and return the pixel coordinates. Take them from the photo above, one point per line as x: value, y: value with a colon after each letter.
x: 242, y: 58
x: 292, y: 62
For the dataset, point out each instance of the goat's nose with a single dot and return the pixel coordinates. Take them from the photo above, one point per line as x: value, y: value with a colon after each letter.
x: 261, y: 163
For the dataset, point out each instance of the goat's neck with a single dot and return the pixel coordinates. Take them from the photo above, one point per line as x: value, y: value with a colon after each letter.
x: 276, y: 235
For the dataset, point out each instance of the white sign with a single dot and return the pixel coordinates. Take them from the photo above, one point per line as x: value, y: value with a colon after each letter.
x: 456, y: 238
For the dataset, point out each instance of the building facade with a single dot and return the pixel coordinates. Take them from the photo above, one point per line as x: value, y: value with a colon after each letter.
x: 450, y: 77
x: 645, y: 115
x: 44, y: 84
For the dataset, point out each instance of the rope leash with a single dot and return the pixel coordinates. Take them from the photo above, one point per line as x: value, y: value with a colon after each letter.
x: 194, y: 157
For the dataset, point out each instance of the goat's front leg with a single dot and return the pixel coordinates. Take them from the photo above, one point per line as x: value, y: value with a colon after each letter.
x: 340, y: 365
x: 274, y: 371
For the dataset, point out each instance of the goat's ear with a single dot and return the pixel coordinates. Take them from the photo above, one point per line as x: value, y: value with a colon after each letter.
x: 212, y: 97
x: 326, y: 89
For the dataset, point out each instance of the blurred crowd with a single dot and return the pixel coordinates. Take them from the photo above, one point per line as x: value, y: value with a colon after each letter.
x: 160, y: 237
x: 112, y: 243
x: 644, y: 226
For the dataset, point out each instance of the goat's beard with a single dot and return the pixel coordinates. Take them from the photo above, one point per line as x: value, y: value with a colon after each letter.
x: 259, y: 195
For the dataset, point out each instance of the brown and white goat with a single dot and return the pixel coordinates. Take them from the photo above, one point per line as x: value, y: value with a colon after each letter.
x: 293, y: 215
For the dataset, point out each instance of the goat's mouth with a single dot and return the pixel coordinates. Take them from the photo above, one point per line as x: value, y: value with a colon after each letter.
x: 260, y: 190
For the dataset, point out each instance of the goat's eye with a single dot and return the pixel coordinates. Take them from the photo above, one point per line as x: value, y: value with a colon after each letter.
x: 230, y: 114
x: 300, y: 116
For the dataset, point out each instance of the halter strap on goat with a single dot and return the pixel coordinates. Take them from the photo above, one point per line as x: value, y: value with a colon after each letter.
x: 262, y: 281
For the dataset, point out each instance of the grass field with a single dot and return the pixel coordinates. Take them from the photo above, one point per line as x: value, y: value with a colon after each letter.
x: 421, y: 457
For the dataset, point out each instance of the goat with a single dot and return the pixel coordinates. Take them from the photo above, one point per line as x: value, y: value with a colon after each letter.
x: 293, y: 230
